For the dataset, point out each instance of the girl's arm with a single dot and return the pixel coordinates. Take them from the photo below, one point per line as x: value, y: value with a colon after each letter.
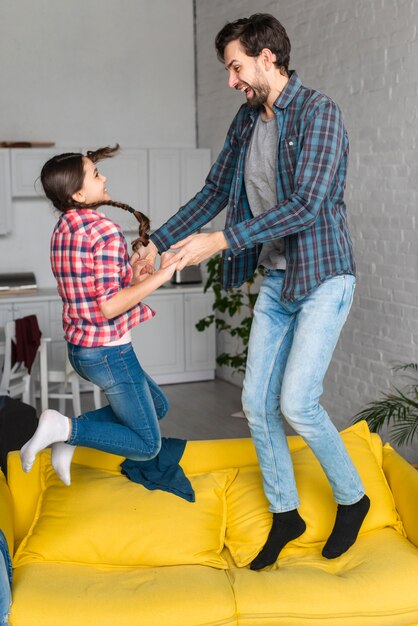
x: 130, y: 296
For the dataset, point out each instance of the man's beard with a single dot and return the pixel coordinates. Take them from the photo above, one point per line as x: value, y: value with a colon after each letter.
x: 261, y: 93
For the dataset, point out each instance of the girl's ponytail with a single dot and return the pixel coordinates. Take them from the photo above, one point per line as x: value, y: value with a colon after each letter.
x: 143, y: 220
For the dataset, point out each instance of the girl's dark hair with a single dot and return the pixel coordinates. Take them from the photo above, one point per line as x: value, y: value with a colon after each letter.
x: 63, y: 175
x: 259, y: 31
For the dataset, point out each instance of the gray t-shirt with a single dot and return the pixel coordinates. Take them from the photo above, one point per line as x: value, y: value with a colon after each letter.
x: 260, y: 184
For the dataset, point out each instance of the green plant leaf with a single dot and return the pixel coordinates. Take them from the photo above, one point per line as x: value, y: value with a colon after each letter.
x: 231, y: 302
x: 397, y: 410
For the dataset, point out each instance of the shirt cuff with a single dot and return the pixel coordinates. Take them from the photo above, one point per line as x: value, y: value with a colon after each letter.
x: 158, y: 242
x: 238, y: 239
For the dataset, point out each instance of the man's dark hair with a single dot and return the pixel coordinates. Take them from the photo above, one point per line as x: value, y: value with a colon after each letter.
x: 259, y: 31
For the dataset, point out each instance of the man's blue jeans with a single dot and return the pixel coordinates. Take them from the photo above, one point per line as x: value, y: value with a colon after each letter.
x: 128, y: 426
x: 290, y: 348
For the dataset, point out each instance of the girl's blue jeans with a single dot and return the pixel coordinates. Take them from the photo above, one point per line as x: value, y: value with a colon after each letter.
x: 5, y: 580
x: 5, y: 592
x: 290, y: 348
x: 128, y: 426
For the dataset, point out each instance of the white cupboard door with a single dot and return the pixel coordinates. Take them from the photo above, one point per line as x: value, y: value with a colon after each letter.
x: 127, y: 182
x: 195, y: 166
x: 5, y: 193
x: 40, y: 309
x: 200, y: 346
x: 26, y: 168
x: 164, y: 181
x: 159, y: 342
x: 6, y: 314
x: 57, y: 347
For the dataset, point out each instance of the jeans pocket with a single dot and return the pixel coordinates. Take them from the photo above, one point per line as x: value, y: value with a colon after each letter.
x: 125, y: 348
x: 348, y: 293
x: 96, y: 371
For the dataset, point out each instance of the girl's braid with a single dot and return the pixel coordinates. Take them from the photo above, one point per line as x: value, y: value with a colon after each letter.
x: 144, y: 223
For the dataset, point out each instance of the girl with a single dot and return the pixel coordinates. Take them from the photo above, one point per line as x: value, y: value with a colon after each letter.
x: 101, y: 293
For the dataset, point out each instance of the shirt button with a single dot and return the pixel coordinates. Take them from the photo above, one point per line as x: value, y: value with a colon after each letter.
x: 230, y: 258
x: 290, y: 143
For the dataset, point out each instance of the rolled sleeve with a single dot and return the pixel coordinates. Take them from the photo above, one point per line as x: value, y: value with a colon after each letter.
x: 111, y: 263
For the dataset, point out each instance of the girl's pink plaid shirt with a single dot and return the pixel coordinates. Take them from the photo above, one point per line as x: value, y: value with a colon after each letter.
x: 90, y: 261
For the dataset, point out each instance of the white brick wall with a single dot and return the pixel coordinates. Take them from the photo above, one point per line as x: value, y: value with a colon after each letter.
x: 364, y: 54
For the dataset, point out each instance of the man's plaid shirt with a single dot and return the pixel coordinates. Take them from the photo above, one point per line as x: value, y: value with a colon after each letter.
x: 310, y: 213
x: 90, y: 261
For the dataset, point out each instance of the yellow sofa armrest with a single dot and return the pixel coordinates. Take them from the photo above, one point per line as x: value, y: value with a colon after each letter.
x: 6, y: 513
x: 403, y: 482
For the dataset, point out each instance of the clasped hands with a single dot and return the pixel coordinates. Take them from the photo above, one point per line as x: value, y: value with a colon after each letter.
x: 189, y: 251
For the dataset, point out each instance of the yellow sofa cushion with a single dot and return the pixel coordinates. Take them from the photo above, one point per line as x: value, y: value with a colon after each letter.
x: 373, y: 583
x: 403, y: 481
x: 66, y: 594
x: 249, y: 520
x: 104, y: 518
x: 6, y: 513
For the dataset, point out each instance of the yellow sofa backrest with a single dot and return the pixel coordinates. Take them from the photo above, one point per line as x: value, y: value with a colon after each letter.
x: 199, y: 457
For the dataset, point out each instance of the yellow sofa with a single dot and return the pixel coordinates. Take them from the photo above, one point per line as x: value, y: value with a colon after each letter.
x: 108, y: 552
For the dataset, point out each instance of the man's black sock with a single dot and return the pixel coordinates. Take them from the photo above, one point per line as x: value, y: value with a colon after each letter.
x: 346, y: 528
x: 286, y: 527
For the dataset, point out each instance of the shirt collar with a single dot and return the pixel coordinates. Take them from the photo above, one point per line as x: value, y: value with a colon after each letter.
x: 86, y: 212
x: 289, y: 92
x: 285, y: 97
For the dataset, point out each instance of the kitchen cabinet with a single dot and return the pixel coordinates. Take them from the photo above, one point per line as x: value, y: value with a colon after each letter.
x: 169, y: 347
x: 164, y: 180
x: 5, y: 193
x: 44, y: 305
x: 26, y: 165
x: 127, y: 182
x: 155, y: 181
x: 175, y: 176
x: 159, y: 343
x: 194, y: 167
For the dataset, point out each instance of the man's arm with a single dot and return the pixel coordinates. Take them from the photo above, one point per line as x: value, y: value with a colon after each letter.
x: 208, y: 202
x: 315, y: 171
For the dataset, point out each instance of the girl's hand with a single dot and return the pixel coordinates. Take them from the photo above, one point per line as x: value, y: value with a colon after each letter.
x: 141, y: 269
x: 149, y: 253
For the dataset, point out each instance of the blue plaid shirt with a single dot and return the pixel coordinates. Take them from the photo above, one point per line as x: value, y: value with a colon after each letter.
x: 310, y: 213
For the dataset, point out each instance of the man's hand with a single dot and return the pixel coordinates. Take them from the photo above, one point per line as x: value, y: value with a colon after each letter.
x: 197, y: 248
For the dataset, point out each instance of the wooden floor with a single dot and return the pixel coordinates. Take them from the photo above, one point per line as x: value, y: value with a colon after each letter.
x: 204, y: 411
x: 201, y: 410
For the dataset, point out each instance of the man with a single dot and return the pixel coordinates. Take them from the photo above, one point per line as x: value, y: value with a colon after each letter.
x: 281, y: 174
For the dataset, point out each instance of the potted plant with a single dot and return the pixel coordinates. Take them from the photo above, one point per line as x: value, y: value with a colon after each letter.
x: 397, y: 409
x: 232, y: 302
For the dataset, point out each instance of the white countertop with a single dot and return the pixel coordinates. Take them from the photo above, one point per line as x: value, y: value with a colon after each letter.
x: 51, y: 293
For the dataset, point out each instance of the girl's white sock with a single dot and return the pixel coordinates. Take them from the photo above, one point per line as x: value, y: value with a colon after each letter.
x: 61, y: 457
x: 52, y: 428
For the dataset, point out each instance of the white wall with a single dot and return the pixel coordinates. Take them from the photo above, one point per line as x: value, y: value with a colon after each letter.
x: 90, y: 73
x: 364, y: 54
